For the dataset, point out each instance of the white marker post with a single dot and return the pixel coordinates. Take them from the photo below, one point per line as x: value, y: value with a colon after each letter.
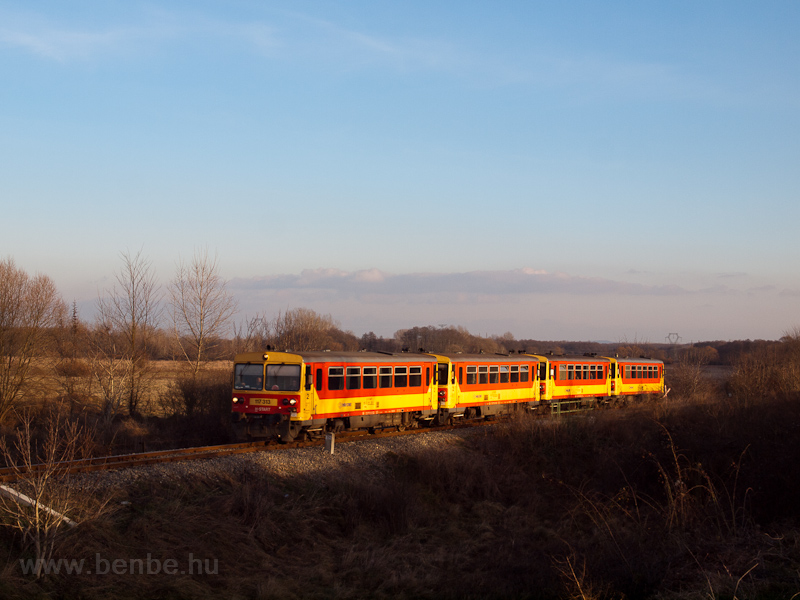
x: 330, y: 439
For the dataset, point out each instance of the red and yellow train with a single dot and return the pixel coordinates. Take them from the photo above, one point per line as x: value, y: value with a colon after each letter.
x: 285, y: 394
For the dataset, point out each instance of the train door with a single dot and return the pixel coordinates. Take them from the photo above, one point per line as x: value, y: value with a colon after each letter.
x: 308, y: 395
x: 615, y: 376
x: 544, y: 380
x: 444, y: 391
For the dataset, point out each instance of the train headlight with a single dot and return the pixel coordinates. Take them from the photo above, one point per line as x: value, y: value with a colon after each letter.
x: 292, y: 401
x: 235, y: 400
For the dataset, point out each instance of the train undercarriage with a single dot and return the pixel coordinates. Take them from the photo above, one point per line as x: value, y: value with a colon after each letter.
x: 280, y: 427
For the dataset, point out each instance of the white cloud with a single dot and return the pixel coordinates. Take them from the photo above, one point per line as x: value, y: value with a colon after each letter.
x: 456, y: 287
x: 63, y: 43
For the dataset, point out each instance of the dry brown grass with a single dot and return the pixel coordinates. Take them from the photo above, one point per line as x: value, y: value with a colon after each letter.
x: 669, y: 500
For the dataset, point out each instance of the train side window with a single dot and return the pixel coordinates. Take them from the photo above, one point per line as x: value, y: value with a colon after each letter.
x: 494, y: 374
x: 503, y: 373
x: 353, y: 378
x: 483, y: 374
x: 460, y: 375
x: 385, y: 379
x: 523, y: 372
x: 562, y: 372
x: 415, y: 376
x: 543, y: 371
x: 318, y: 379
x: 309, y: 377
x: 514, y: 375
x: 627, y: 371
x: 401, y: 377
x: 335, y: 378
x: 370, y: 378
x: 427, y: 376
x: 570, y: 372
x: 472, y: 375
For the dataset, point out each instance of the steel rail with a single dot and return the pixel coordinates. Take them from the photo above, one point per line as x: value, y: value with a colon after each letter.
x: 122, y: 461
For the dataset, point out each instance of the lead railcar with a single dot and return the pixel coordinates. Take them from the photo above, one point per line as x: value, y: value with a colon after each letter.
x: 285, y: 394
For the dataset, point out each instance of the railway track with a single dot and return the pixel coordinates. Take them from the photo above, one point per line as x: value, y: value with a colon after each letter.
x: 123, y: 461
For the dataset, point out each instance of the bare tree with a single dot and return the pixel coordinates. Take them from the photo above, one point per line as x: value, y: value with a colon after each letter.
x: 252, y: 335
x: 130, y: 311
x: 201, y: 308
x: 302, y: 329
x: 29, y: 308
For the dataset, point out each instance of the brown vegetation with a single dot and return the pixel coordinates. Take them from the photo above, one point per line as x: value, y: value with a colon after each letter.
x: 673, y: 500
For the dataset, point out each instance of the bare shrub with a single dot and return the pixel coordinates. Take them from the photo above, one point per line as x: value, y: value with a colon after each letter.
x: 207, y: 394
x: 43, y: 503
x: 686, y: 378
x: 111, y: 371
x: 769, y: 372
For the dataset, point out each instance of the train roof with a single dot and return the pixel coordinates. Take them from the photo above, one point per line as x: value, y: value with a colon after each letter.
x: 603, y: 359
x: 487, y: 358
x: 335, y: 357
x: 406, y: 357
x: 639, y: 361
x: 574, y: 358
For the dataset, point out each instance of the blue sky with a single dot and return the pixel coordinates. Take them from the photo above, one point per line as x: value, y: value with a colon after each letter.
x: 615, y: 170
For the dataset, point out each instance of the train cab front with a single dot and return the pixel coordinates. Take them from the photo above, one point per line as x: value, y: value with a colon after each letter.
x: 266, y: 394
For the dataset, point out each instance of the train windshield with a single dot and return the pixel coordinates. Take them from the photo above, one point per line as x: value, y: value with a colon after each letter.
x: 248, y: 377
x: 284, y: 378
